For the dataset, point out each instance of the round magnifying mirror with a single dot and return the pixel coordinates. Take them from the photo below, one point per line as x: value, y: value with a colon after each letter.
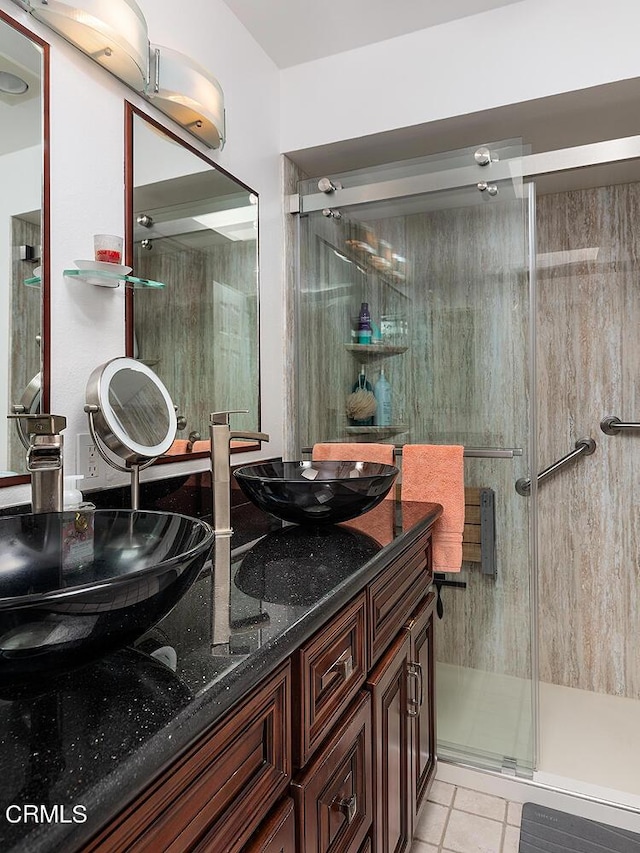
x: 133, y: 413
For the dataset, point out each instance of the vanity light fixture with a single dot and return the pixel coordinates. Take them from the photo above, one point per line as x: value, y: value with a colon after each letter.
x: 111, y: 32
x: 187, y: 93
x: 114, y: 34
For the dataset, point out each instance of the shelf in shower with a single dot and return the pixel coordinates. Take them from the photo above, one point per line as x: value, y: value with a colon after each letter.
x: 393, y: 429
x: 375, y: 350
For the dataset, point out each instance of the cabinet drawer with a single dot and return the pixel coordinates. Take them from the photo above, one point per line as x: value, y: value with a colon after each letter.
x: 393, y: 595
x: 214, y: 797
x: 333, y: 795
x: 329, y: 670
x: 277, y: 834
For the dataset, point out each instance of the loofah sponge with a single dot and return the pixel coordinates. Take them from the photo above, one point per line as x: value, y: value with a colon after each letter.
x: 361, y: 405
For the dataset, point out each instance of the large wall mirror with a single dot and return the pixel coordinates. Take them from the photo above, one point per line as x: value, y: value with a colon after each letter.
x: 193, y: 228
x: 24, y: 236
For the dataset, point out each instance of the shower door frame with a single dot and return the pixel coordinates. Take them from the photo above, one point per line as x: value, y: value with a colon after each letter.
x: 462, y: 178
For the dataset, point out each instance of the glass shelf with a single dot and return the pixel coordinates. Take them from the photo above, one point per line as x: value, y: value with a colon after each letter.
x: 375, y: 350
x: 34, y: 281
x: 106, y: 278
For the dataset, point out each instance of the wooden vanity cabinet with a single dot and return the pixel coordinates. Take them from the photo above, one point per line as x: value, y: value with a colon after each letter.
x: 331, y: 753
x: 278, y: 833
x: 398, y: 643
x: 214, y: 796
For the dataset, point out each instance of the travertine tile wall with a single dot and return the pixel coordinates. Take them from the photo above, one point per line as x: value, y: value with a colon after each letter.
x: 589, y: 367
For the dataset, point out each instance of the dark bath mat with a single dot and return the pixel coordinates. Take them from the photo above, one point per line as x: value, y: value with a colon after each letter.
x: 546, y: 830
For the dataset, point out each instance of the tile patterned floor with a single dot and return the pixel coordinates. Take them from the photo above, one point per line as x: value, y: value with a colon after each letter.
x: 458, y: 820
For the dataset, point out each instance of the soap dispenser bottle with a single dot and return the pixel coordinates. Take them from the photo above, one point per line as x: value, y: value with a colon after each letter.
x: 364, y: 324
x: 382, y: 393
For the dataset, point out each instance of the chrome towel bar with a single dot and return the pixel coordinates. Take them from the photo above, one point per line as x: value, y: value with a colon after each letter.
x: 474, y: 452
x: 585, y: 446
x: 613, y: 425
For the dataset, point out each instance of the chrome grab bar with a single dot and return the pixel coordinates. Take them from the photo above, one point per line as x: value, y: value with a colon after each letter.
x: 613, y: 425
x: 585, y: 446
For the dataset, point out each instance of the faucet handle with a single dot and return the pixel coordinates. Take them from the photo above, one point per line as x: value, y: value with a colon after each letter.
x: 222, y: 418
x: 41, y: 424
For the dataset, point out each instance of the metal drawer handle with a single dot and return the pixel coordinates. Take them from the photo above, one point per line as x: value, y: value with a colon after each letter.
x: 413, y: 705
x: 348, y: 807
x: 414, y: 670
x: 343, y: 667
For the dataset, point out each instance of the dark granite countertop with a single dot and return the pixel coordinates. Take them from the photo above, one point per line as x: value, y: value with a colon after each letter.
x: 89, y: 741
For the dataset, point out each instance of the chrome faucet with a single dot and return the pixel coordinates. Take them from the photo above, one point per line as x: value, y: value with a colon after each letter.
x: 221, y: 435
x: 44, y: 459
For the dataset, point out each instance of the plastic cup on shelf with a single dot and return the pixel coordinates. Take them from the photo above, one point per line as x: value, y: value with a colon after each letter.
x: 108, y: 248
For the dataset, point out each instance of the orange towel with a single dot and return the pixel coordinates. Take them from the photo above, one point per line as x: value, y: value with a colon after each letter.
x: 178, y: 447
x: 200, y: 445
x: 434, y: 473
x: 356, y: 452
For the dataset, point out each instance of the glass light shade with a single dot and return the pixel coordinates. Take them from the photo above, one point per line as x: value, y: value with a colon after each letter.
x: 112, y: 32
x: 187, y: 93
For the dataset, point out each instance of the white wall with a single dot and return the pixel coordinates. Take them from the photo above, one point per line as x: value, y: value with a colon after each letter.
x: 21, y: 193
x: 527, y: 50
x: 87, y: 196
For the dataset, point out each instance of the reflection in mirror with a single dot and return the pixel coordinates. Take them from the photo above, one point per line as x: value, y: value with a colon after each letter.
x: 23, y: 232
x: 194, y: 228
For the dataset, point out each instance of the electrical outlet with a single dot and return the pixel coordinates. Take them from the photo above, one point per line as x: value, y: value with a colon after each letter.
x: 89, y: 462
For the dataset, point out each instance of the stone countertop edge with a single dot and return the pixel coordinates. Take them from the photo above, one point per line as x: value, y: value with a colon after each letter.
x: 205, y: 711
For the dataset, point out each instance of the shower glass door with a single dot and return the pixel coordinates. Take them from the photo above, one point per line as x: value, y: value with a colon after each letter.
x: 438, y: 250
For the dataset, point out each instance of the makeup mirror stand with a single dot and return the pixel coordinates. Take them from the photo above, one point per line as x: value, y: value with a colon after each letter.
x: 132, y: 468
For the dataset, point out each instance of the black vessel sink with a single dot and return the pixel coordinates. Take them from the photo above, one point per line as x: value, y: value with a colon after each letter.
x: 75, y: 585
x: 323, y: 492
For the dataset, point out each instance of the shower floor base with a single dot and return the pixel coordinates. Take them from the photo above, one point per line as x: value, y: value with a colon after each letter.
x: 590, y: 737
x: 589, y: 742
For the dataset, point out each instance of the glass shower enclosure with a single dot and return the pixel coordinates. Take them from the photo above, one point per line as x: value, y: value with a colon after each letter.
x: 438, y: 249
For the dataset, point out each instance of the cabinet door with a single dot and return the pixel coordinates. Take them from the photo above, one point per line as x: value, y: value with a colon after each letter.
x: 333, y: 793
x: 422, y: 702
x: 392, y: 828
x: 278, y: 832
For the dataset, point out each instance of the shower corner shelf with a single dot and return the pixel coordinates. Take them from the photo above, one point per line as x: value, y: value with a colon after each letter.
x: 375, y: 350
x: 106, y: 278
x: 393, y: 429
x: 34, y: 281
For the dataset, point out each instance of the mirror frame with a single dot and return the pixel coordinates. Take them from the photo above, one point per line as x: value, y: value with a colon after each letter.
x: 131, y: 112
x: 45, y: 227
